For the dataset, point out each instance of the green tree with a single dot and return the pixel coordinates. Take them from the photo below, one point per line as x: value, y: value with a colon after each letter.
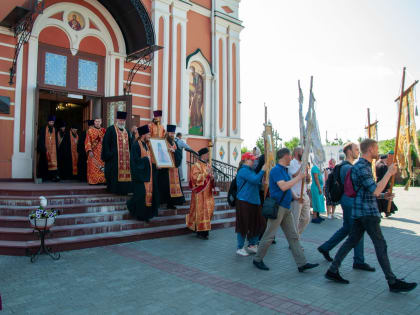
x: 386, y: 145
x: 244, y: 149
x: 292, y: 143
x: 336, y: 141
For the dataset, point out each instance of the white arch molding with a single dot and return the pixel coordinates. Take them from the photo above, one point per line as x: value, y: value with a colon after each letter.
x: 22, y: 162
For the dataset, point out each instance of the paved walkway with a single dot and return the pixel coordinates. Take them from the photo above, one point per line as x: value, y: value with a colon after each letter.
x: 184, y: 275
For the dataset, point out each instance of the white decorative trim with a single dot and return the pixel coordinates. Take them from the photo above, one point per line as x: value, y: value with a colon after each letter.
x: 7, y: 88
x: 6, y: 59
x: 5, y: 73
x: 141, y: 95
x: 138, y: 83
x: 141, y: 107
x: 6, y: 31
x: 7, y: 45
x: 7, y: 118
x: 140, y: 72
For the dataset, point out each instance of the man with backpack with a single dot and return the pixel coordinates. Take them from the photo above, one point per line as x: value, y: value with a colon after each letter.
x: 336, y: 191
x: 367, y: 217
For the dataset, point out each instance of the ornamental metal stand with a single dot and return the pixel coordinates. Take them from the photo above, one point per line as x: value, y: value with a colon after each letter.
x: 43, y: 231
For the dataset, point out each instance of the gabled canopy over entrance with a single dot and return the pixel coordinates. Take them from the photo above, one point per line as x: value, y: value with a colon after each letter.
x: 134, y: 22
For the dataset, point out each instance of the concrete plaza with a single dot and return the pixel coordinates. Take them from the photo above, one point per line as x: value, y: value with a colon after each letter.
x: 185, y: 275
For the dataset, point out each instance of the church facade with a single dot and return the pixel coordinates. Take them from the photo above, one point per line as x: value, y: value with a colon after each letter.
x: 89, y: 58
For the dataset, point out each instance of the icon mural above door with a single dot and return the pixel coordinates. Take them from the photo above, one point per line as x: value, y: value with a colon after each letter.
x: 196, y: 99
x: 76, y: 21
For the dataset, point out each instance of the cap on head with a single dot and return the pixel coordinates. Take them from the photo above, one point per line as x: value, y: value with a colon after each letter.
x: 391, y: 152
x: 170, y: 128
x: 51, y: 118
x: 121, y: 115
x: 143, y: 130
x: 157, y: 113
x: 203, y: 151
x: 248, y: 156
x: 90, y: 122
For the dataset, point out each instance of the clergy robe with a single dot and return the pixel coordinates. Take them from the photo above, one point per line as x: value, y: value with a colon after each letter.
x: 82, y: 160
x: 381, y: 169
x: 47, y: 150
x: 64, y: 155
x: 145, y: 202
x: 116, y: 155
x: 95, y: 165
x: 156, y: 131
x: 170, y: 190
x: 202, y: 200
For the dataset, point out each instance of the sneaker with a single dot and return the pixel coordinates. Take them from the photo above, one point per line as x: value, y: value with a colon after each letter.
x: 242, y: 252
x: 336, y: 277
x: 330, y: 216
x: 316, y: 220
x: 252, y: 249
x: 260, y: 265
x: 401, y: 286
x: 325, y: 253
x: 307, y: 266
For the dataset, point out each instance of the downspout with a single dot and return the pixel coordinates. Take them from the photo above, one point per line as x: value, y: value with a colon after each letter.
x: 213, y: 81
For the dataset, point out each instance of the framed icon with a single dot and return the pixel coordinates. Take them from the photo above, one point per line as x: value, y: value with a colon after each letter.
x: 161, y: 153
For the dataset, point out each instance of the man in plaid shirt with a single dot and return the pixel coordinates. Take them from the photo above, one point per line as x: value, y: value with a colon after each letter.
x: 367, y: 217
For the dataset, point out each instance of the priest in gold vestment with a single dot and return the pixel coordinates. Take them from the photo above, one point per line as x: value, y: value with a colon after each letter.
x: 93, y: 147
x: 202, y: 200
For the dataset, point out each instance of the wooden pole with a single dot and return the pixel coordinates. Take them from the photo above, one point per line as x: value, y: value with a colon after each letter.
x: 369, y: 132
x: 388, y: 210
x: 305, y: 167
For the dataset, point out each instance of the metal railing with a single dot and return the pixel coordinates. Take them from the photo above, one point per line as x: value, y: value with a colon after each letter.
x: 223, y: 173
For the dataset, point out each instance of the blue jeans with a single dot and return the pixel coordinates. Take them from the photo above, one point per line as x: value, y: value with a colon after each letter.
x: 241, y: 240
x: 342, y: 233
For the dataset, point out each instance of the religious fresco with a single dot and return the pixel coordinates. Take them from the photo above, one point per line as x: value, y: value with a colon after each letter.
x: 76, y: 21
x: 196, y: 99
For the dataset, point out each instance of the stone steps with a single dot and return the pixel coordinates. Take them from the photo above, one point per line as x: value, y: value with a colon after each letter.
x: 89, y: 217
x: 21, y: 248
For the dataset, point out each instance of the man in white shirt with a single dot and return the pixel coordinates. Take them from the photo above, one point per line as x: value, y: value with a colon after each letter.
x: 182, y: 145
x: 301, y: 209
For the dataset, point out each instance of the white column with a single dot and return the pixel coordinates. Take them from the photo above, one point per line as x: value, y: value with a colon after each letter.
x: 155, y: 66
x: 165, y: 74
x: 184, y: 80
x: 238, y: 91
x: 225, y: 87
x: 229, y: 109
x: 172, y: 105
x: 216, y: 86
x: 110, y: 74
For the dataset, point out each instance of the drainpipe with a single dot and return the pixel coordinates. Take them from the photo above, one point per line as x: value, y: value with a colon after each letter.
x: 213, y: 81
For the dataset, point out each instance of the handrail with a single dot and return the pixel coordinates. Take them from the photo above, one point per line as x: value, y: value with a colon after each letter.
x: 223, y: 173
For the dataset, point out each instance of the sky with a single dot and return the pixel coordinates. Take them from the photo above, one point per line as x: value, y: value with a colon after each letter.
x: 355, y: 50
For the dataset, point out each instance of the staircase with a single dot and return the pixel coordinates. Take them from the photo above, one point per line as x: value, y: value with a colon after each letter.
x: 90, y: 217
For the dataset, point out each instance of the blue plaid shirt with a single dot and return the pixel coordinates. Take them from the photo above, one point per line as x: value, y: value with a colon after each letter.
x: 364, y: 185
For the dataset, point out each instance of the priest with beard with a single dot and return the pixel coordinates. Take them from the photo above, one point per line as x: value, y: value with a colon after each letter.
x: 93, y: 147
x: 47, y: 150
x: 82, y: 161
x: 155, y: 127
x: 145, y: 202
x: 202, y: 200
x: 116, y: 147
x: 170, y: 190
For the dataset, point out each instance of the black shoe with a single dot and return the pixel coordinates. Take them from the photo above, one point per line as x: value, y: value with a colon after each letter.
x: 365, y: 267
x: 307, y: 266
x: 325, y: 253
x: 274, y: 242
x: 260, y: 265
x: 401, y: 286
x: 335, y: 276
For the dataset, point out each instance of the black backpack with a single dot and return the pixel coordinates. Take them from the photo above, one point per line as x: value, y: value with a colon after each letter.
x: 233, y: 192
x: 334, y: 186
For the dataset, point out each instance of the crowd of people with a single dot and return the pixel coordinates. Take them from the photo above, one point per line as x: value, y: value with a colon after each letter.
x: 288, y: 185
x: 125, y: 162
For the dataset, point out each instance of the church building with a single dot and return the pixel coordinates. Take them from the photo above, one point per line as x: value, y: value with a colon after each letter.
x: 80, y: 59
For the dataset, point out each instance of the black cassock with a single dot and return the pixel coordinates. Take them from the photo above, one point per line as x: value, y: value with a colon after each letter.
x: 381, y: 169
x: 43, y: 171
x: 82, y: 159
x: 140, y: 173
x: 65, y: 166
x: 163, y: 181
x: 109, y: 155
